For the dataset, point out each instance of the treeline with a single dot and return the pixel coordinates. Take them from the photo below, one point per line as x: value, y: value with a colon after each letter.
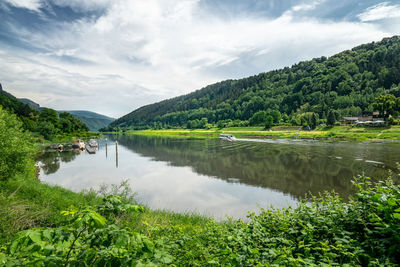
x: 46, y: 122
x: 345, y: 84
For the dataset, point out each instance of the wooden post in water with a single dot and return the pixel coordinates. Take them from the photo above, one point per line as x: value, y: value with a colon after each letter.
x: 116, y: 154
x: 106, y: 148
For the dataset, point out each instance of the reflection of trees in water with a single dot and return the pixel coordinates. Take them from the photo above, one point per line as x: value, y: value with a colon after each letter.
x: 294, y: 169
x: 51, y: 159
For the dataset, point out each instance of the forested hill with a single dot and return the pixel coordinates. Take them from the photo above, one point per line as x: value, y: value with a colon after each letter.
x: 43, y: 121
x: 93, y: 120
x: 345, y: 83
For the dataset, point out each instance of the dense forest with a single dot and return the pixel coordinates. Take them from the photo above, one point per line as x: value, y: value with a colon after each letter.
x: 342, y: 85
x: 46, y: 122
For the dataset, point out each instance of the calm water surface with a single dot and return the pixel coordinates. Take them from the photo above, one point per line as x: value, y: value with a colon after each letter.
x: 219, y: 178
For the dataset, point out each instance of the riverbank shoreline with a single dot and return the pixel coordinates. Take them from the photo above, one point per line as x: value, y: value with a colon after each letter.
x: 337, y: 133
x: 304, y: 235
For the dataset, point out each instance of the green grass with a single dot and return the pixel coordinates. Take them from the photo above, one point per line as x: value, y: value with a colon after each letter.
x: 338, y: 132
x: 326, y: 231
x: 68, y: 138
x: 26, y: 202
x: 180, y: 133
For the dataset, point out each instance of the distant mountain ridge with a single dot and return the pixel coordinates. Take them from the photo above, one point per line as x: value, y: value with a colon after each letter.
x: 346, y: 84
x: 30, y: 103
x: 43, y: 121
x: 25, y: 107
x: 93, y: 120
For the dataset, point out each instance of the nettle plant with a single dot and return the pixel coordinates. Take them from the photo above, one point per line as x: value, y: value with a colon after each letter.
x: 89, y: 237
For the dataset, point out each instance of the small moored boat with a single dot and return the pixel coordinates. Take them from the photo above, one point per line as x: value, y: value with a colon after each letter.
x: 90, y: 150
x: 79, y: 144
x: 228, y: 137
x: 93, y: 143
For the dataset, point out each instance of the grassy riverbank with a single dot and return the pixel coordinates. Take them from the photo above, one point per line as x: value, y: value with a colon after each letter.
x: 68, y: 138
x: 337, y: 132
x: 35, y: 231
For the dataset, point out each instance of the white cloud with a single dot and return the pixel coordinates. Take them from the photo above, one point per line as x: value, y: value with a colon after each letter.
x: 307, y: 6
x: 34, y: 5
x: 381, y: 11
x: 142, y: 51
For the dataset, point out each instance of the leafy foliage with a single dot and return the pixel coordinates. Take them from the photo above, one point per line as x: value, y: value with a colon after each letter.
x: 323, y: 230
x: 46, y: 122
x: 89, y: 237
x: 387, y: 105
x: 16, y: 150
x: 346, y: 83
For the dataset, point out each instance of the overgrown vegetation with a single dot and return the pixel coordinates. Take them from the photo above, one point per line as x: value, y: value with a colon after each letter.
x: 16, y: 147
x: 45, y: 122
x: 324, y: 230
x: 343, y: 85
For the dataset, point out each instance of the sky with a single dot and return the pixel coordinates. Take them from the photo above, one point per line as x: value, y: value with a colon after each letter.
x: 113, y: 56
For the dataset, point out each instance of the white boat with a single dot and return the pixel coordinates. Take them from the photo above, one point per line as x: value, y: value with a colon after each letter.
x: 79, y: 144
x: 93, y: 143
x: 228, y: 137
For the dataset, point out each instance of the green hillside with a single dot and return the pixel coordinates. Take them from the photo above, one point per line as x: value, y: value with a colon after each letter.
x: 43, y: 121
x: 93, y: 120
x: 344, y: 84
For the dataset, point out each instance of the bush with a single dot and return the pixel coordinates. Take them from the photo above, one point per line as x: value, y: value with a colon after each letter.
x: 258, y: 118
x: 320, y: 231
x: 89, y: 237
x: 269, y: 122
x: 16, y: 146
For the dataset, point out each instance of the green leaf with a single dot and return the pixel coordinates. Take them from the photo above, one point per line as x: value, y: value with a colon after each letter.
x: 391, y: 202
x: 35, y: 236
x: 47, y: 233
x: 396, y: 216
x: 376, y: 197
x: 148, y: 245
x: 14, y: 246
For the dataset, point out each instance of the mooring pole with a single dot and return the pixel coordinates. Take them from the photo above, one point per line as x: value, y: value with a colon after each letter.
x: 106, y: 148
x: 116, y: 154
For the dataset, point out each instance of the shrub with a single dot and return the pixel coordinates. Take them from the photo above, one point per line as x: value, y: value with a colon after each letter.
x: 16, y: 146
x: 89, y: 237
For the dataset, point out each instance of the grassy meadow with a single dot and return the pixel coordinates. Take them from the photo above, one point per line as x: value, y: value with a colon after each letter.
x: 391, y: 133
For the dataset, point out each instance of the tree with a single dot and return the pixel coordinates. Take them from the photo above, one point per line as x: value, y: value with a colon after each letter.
x: 49, y: 115
x: 313, y: 121
x: 220, y: 124
x: 386, y: 105
x: 258, y: 118
x: 276, y: 115
x: 269, y: 122
x: 16, y: 146
x: 47, y: 130
x: 203, y: 123
x: 331, y: 119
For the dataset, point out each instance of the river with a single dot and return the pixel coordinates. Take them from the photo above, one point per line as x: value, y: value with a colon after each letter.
x: 220, y: 178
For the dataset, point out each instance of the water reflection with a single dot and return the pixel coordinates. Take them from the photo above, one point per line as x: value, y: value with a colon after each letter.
x: 49, y: 160
x: 293, y: 167
x: 217, y: 177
